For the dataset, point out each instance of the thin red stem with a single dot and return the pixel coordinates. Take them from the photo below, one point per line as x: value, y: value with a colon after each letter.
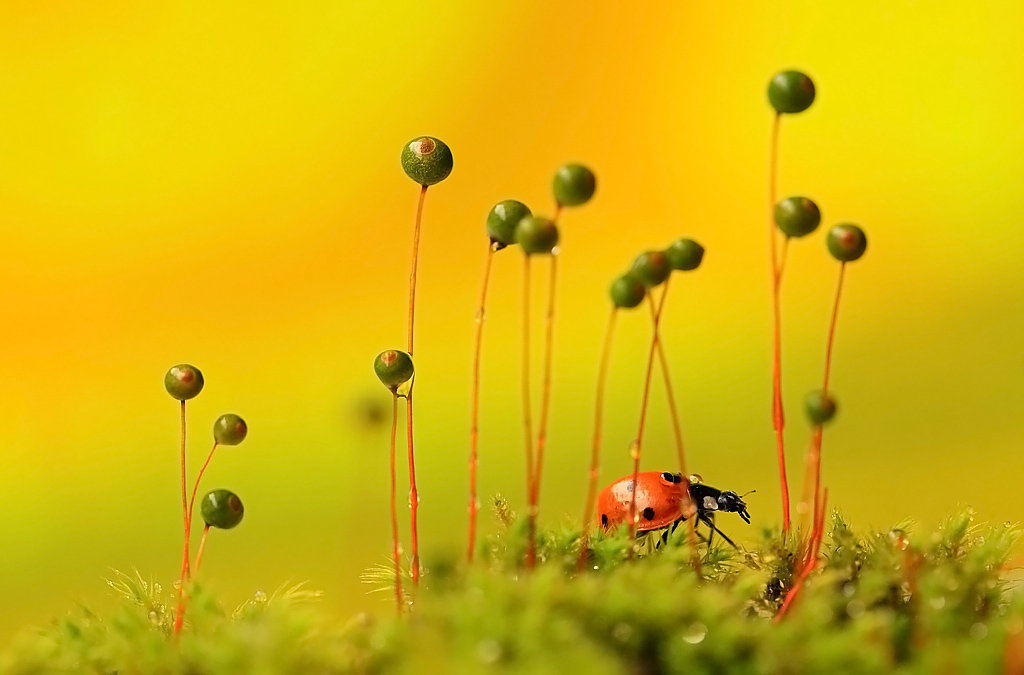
x: 545, y: 401
x: 816, y: 453
x: 778, y: 416
x: 638, y: 443
x: 184, y: 493
x: 832, y: 327
x: 414, y: 495
x: 414, y: 266
x: 202, y: 547
x: 185, y: 521
x: 394, y: 508
x: 814, y: 547
x: 595, y: 452
x: 815, y: 450
x: 474, y: 428
x: 192, y: 500
x: 677, y: 431
x: 531, y: 551
x: 179, y: 615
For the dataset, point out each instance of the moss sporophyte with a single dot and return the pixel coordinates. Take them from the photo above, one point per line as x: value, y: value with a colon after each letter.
x: 185, y: 382
x: 628, y: 588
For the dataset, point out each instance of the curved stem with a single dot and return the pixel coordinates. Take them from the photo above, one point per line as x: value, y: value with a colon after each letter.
x: 545, y: 401
x: 474, y: 429
x: 192, y: 500
x: 595, y: 452
x: 677, y: 432
x: 832, y: 327
x: 638, y: 444
x: 415, y: 264
x: 815, y: 451
x: 202, y: 547
x: 394, y: 508
x: 414, y: 496
x: 527, y: 421
x: 778, y: 417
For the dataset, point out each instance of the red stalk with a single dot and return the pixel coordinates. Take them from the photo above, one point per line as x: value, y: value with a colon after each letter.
x: 531, y: 550
x: 778, y: 417
x: 394, y: 509
x: 595, y: 453
x: 643, y: 406
x: 678, y: 434
x: 545, y: 405
x: 474, y: 428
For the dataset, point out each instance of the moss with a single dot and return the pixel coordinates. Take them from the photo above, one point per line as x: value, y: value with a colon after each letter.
x: 898, y: 600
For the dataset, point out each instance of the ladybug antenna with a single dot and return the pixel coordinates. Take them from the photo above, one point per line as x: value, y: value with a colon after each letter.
x: 749, y: 492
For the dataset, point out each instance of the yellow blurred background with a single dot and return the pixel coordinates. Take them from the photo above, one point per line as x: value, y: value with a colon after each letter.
x: 218, y: 183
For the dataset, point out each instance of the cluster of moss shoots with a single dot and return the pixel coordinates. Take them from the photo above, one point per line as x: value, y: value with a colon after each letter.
x: 618, y: 593
x: 428, y: 161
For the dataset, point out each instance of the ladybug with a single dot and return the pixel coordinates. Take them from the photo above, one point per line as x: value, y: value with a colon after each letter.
x: 659, y: 502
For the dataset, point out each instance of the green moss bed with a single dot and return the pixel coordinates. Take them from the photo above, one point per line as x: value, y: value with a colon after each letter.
x: 895, y: 601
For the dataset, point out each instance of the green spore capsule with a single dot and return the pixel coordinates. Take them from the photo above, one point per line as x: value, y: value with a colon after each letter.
x: 790, y: 92
x: 427, y: 160
x: 222, y: 509
x: 797, y: 216
x: 846, y: 242
x: 627, y: 291
x: 651, y: 268
x: 503, y: 220
x: 574, y: 184
x: 684, y: 254
x: 183, y: 381
x: 536, y: 235
x: 393, y: 368
x: 229, y: 429
x: 819, y: 407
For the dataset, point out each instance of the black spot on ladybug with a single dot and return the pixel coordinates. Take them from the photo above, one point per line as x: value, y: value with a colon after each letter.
x: 672, y: 477
x: 648, y: 513
x: 629, y: 486
x: 604, y: 519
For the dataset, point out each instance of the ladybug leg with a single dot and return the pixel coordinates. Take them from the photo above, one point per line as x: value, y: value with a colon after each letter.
x: 709, y: 521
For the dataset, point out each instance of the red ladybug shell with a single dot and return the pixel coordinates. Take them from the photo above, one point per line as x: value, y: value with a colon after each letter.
x: 659, y: 501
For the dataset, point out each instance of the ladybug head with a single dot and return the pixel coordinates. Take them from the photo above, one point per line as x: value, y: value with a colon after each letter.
x: 732, y: 502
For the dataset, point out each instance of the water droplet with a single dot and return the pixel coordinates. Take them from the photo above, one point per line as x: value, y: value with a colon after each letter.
x: 696, y: 478
x: 802, y: 508
x: 938, y: 603
x: 177, y: 585
x: 855, y: 609
x: 634, y: 450
x: 488, y: 651
x: 260, y: 596
x: 696, y: 633
x: 154, y: 617
x: 849, y: 588
x: 157, y: 589
x: 622, y: 632
x: 979, y: 631
x: 1007, y: 524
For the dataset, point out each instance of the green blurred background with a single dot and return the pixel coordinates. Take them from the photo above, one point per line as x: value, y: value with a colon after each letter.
x: 219, y: 184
